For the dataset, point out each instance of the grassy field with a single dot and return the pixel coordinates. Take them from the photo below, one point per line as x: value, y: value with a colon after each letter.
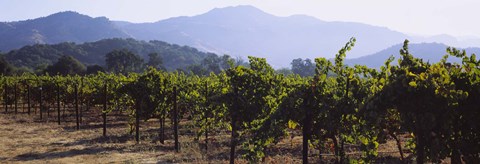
x: 27, y: 139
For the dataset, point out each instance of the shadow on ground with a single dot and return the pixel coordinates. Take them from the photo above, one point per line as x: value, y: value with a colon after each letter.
x: 99, y: 145
x: 62, y: 154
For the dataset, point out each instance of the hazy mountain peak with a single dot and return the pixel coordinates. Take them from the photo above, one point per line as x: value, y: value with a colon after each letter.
x: 64, y: 26
x: 241, y: 9
x: 65, y: 15
x: 237, y: 12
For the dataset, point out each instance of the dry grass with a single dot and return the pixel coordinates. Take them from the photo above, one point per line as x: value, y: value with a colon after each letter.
x: 27, y: 139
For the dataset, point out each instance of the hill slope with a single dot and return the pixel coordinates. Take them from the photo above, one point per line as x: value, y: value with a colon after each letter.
x: 174, y: 56
x: 237, y: 31
x: 60, y: 27
x: 245, y: 30
x: 431, y: 52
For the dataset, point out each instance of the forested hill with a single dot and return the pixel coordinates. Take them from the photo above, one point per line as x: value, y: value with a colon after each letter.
x: 56, y: 28
x: 40, y: 55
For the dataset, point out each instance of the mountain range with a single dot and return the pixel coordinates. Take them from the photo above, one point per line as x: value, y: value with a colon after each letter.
x: 60, y: 27
x: 239, y: 31
x: 429, y: 52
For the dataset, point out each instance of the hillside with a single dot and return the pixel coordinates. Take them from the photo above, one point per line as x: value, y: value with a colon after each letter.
x: 174, y: 56
x: 237, y: 31
x: 431, y: 52
x: 56, y: 28
x: 245, y: 30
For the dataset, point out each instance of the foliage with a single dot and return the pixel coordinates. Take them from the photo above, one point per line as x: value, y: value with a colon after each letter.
x: 123, y: 61
x: 303, y: 67
x: 155, y: 61
x: 94, y: 69
x: 212, y: 64
x: 91, y: 53
x: 66, y: 65
x: 5, y: 67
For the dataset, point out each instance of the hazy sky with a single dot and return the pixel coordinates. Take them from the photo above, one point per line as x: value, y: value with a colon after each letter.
x: 421, y: 17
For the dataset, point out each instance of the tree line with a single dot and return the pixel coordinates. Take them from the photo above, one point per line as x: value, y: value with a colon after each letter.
x: 37, y: 57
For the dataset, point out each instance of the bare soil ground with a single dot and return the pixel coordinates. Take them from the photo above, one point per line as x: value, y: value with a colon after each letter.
x: 27, y: 139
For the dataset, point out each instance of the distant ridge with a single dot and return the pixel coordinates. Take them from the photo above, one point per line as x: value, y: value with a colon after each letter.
x: 246, y: 30
x: 65, y: 26
x: 239, y: 31
x: 429, y: 52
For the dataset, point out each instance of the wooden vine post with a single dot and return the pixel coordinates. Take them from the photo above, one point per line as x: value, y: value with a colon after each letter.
x: 76, y: 107
x: 58, y: 104
x: 306, y: 129
x: 342, y: 141
x: 104, y: 113
x: 5, y: 92
x: 175, y: 120
x: 162, y: 120
x: 80, y: 108
x: 15, y: 97
x: 28, y: 99
x: 233, y: 122
x: 206, y: 117
x: 162, y: 127
x: 65, y: 106
x: 41, y: 102
x: 137, y: 119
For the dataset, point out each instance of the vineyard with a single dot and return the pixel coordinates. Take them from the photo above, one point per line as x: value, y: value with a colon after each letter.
x: 342, y: 114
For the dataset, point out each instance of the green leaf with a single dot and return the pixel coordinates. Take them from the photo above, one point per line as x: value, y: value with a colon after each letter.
x: 413, y: 84
x: 292, y: 124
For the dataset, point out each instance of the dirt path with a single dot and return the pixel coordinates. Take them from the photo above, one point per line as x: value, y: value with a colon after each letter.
x: 26, y: 140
